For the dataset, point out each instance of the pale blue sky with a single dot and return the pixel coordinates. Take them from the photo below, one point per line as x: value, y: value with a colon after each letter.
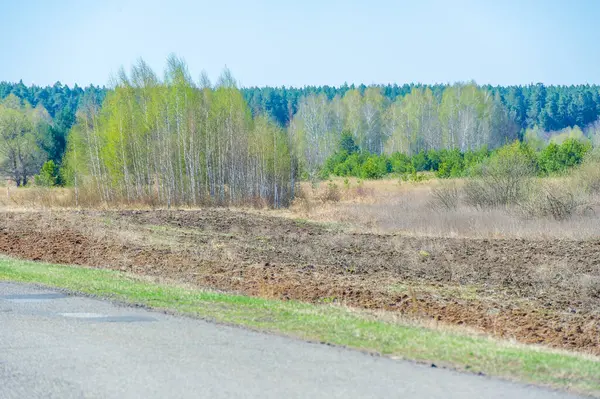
x: 305, y: 42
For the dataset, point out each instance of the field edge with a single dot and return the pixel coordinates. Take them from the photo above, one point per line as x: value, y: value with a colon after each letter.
x: 326, y: 324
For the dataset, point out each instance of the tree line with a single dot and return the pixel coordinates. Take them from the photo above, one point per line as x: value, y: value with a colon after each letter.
x: 549, y: 107
x: 176, y: 141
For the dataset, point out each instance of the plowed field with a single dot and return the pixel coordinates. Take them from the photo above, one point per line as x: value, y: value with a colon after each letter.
x: 536, y: 291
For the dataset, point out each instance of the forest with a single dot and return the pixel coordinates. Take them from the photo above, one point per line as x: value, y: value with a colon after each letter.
x: 179, y: 141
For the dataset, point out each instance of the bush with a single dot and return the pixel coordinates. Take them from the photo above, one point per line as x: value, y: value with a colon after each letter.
x: 420, y: 162
x: 445, y: 197
x: 451, y: 164
x: 551, y: 200
x: 472, y: 158
x: 49, y: 175
x: 375, y: 167
x: 559, y: 157
x: 332, y: 193
x: 401, y: 163
x: 587, y: 175
x: 503, y: 179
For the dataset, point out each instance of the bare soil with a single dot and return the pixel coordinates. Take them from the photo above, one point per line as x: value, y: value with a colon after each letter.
x: 535, y: 291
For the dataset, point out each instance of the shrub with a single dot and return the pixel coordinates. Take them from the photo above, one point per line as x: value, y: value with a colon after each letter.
x: 445, y: 197
x: 552, y: 200
x: 451, y: 164
x: 375, y: 167
x: 559, y: 157
x: 587, y: 175
x: 401, y: 163
x: 420, y: 162
x: 49, y: 175
x: 332, y: 193
x: 503, y: 179
x: 472, y: 158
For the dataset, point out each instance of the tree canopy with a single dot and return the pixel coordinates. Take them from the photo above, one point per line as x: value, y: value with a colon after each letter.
x: 305, y: 125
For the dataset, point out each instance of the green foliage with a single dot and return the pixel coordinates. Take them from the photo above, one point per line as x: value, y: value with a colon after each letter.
x: 472, y: 158
x: 452, y: 163
x: 60, y: 103
x: 362, y: 165
x: 48, y: 176
x: 172, y: 142
x: 375, y: 167
x: 517, y: 155
x: 391, y: 119
x: 557, y: 158
x: 347, y: 143
x: 420, y: 161
x: 19, y: 146
x: 444, y: 163
x: 407, y: 114
x: 549, y: 107
x: 401, y: 163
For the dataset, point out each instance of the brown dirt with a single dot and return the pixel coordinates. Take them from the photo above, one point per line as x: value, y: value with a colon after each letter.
x: 534, y: 291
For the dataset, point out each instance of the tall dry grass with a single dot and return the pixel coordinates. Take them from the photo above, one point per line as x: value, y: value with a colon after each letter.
x: 34, y: 197
x: 545, y: 208
x: 549, y: 208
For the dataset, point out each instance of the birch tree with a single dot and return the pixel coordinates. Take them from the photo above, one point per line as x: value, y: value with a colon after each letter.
x: 173, y: 142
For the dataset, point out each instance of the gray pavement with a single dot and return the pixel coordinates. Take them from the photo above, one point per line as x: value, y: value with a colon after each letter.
x: 58, y: 346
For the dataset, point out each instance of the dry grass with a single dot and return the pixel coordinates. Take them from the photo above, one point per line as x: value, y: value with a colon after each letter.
x: 36, y: 197
x: 434, y: 208
x: 411, y: 208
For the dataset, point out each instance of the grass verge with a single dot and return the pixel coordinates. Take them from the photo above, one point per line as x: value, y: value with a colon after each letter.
x: 329, y: 324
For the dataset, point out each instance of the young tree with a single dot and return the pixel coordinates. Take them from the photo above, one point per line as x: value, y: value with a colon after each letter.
x: 22, y: 156
x: 372, y: 109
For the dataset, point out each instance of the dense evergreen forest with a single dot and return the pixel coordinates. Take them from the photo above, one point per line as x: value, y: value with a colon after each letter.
x: 548, y: 107
x: 225, y: 144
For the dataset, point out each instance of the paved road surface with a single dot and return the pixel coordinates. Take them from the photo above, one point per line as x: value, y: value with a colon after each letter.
x: 57, y: 346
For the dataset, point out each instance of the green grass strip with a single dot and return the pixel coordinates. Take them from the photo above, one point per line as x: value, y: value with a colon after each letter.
x: 329, y: 324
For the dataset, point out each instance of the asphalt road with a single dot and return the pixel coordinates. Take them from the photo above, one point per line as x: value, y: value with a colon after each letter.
x: 58, y: 346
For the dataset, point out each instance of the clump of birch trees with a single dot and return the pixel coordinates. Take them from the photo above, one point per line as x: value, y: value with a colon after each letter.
x: 173, y: 142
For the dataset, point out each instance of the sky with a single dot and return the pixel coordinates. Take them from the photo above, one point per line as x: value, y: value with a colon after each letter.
x: 305, y: 42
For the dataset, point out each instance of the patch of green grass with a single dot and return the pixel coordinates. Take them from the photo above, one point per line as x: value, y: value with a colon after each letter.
x: 326, y: 323
x: 301, y: 222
